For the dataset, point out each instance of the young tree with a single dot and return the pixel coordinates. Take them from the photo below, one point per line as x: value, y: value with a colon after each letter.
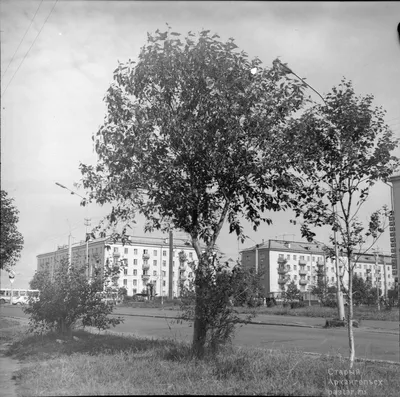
x: 67, y: 299
x: 11, y: 242
x: 346, y: 148
x: 292, y: 293
x: 193, y: 138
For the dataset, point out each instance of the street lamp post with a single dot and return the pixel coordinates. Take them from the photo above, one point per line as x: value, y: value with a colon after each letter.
x: 69, y: 236
x: 339, y: 293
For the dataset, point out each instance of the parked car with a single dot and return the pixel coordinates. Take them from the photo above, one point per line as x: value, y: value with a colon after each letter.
x: 5, y: 299
x: 21, y: 300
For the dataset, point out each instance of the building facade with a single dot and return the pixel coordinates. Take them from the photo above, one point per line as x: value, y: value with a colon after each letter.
x: 143, y: 261
x: 395, y: 225
x: 281, y: 262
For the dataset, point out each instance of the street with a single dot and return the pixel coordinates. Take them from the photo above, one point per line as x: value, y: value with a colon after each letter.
x: 368, y: 344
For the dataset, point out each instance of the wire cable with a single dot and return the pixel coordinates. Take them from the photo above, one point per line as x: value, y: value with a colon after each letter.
x: 23, y: 59
x: 23, y: 37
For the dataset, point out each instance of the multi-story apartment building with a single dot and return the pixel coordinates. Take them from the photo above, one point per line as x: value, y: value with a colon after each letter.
x: 395, y: 225
x: 144, y: 261
x: 280, y: 262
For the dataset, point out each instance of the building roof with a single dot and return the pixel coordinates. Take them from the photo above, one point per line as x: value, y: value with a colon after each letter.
x: 305, y: 247
x: 292, y: 246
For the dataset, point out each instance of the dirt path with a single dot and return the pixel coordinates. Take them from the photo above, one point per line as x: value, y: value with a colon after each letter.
x: 7, y: 368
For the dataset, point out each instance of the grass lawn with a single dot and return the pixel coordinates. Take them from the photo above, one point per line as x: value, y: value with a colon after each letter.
x: 110, y: 364
x: 360, y: 312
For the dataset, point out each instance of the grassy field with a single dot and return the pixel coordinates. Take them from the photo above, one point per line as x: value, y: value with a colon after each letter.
x: 110, y: 364
x: 360, y: 312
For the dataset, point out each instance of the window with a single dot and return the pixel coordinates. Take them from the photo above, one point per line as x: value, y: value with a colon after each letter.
x: 163, y: 283
x: 145, y: 251
x: 295, y: 267
x: 155, y: 263
x: 134, y: 291
x: 294, y: 257
x: 288, y: 266
x: 135, y: 262
x: 173, y: 263
x: 332, y: 269
x: 134, y: 272
x: 308, y: 278
x: 164, y: 273
x: 313, y: 258
x: 302, y: 257
x: 164, y: 253
x: 134, y: 282
x: 155, y: 252
x: 154, y: 272
x: 135, y: 251
x: 333, y: 279
x: 115, y: 249
x: 281, y: 256
x: 308, y: 268
x: 164, y: 263
x: 126, y: 250
x: 308, y: 258
x: 125, y: 272
x: 295, y: 277
x: 125, y: 282
x: 191, y: 255
x: 288, y: 257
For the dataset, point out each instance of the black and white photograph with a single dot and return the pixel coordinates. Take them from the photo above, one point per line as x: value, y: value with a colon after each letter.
x: 200, y: 198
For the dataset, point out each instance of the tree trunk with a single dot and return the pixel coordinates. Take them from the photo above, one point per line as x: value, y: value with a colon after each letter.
x: 350, y: 317
x: 199, y: 327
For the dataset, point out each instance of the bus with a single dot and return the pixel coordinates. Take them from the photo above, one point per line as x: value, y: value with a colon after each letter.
x: 5, y: 294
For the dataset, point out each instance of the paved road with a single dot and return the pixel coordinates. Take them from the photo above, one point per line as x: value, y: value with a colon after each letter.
x: 369, y: 344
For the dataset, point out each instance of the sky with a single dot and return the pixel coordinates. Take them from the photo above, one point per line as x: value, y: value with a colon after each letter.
x: 54, y: 80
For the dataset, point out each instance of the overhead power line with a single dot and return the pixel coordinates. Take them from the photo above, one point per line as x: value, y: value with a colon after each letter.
x: 23, y: 37
x: 23, y: 59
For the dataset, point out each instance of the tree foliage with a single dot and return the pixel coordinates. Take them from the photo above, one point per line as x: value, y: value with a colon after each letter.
x: 193, y: 138
x: 12, y: 240
x: 67, y: 300
x: 292, y: 292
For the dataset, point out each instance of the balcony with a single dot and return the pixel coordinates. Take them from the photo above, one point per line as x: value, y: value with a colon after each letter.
x: 302, y: 262
x: 283, y: 269
x: 320, y: 262
x: 146, y: 257
x: 182, y: 266
x: 283, y: 280
x: 302, y: 271
x: 146, y: 266
x: 145, y: 277
x: 303, y: 282
x: 281, y: 260
x: 116, y: 254
x: 182, y: 278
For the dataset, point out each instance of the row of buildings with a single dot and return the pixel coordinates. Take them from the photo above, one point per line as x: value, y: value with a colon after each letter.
x: 145, y: 261
x: 158, y: 261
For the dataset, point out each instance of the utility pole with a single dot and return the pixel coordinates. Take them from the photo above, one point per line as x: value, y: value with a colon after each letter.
x: 377, y: 278
x: 171, y: 266
x: 69, y: 252
x: 338, y: 286
x: 87, y: 223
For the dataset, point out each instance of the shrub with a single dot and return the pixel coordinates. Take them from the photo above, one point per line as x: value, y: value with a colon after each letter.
x: 67, y: 299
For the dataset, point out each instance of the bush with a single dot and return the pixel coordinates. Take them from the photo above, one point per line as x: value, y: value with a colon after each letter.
x: 69, y: 299
x: 296, y: 305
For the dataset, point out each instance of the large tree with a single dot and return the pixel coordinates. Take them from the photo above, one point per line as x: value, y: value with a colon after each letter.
x: 346, y: 148
x: 193, y: 138
x: 12, y: 241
